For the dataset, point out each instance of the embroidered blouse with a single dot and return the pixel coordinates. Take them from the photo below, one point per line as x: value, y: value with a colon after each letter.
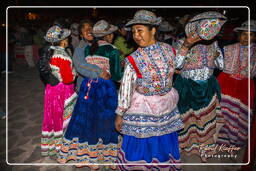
x: 236, y: 60
x: 62, y: 66
x: 106, y: 57
x: 200, y: 61
x: 149, y: 70
x: 146, y: 99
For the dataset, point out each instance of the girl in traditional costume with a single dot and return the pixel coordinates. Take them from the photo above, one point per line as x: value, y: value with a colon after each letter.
x: 83, y: 68
x: 59, y: 99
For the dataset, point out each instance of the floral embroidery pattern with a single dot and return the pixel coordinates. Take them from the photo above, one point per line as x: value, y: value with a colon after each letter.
x: 142, y: 126
x: 236, y: 60
x: 100, y: 61
x: 155, y: 63
x: 200, y: 56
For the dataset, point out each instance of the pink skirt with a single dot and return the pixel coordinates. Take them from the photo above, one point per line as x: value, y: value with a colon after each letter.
x: 59, y: 101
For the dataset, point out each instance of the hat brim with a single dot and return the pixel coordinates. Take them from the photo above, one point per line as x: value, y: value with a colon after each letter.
x: 66, y: 33
x: 237, y: 29
x: 134, y: 22
x: 208, y: 15
x: 191, y: 27
x: 168, y: 29
x: 102, y: 34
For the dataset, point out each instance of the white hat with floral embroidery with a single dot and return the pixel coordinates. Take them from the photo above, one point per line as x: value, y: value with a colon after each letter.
x: 144, y: 17
x: 103, y: 28
x: 56, y: 34
x: 207, y: 25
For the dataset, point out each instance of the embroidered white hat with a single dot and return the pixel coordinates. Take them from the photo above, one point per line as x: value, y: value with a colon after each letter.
x: 207, y: 25
x: 144, y: 17
x: 103, y: 28
x: 56, y: 34
x: 245, y: 26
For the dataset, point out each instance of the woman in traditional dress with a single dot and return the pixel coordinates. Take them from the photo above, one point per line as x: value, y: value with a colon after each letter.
x: 235, y: 102
x: 198, y: 89
x: 59, y: 99
x: 83, y: 68
x: 147, y: 113
x: 91, y: 137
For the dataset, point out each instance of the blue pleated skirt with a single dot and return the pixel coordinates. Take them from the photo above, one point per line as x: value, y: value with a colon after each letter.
x: 93, y: 118
x: 157, y: 149
x: 91, y: 136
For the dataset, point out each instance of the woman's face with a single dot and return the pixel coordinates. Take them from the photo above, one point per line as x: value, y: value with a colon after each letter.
x: 244, y: 38
x: 86, y: 32
x: 64, y: 43
x: 143, y: 36
x: 109, y: 38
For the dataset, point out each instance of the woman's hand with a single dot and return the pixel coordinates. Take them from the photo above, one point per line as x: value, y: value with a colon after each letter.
x: 122, y: 63
x: 105, y: 75
x: 216, y: 55
x: 188, y: 43
x: 191, y: 40
x: 118, y: 123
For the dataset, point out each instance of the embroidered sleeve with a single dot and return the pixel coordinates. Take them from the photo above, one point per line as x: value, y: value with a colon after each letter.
x: 65, y: 68
x: 180, y: 58
x: 126, y: 90
x: 219, y: 60
x: 82, y: 67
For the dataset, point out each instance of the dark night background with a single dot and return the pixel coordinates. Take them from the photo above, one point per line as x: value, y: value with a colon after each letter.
x: 49, y: 13
x: 18, y: 10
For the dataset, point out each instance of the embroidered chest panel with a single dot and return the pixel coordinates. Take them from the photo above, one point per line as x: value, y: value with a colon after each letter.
x: 155, y: 63
x: 236, y: 59
x: 100, y: 61
x: 200, y: 56
x: 61, y: 55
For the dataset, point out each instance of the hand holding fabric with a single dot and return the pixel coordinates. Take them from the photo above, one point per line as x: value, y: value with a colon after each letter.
x: 217, y: 54
x: 191, y: 40
x: 188, y: 43
x: 105, y: 75
x: 118, y: 123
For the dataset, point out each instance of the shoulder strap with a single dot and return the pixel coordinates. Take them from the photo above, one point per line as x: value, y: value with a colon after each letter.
x: 132, y: 62
x: 174, y: 51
